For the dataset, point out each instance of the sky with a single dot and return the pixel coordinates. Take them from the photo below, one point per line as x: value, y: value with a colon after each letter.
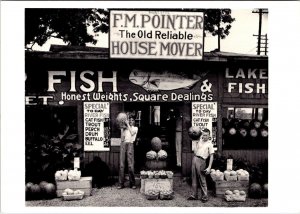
x: 240, y: 39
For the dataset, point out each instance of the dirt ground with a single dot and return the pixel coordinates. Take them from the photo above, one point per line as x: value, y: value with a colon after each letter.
x: 112, y: 197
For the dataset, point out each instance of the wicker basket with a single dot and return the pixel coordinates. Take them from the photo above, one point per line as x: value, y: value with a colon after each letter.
x: 231, y: 177
x: 243, y: 178
x: 219, y: 178
x: 152, y: 197
x: 163, y: 176
x: 166, y: 196
x: 72, y: 197
x: 144, y: 176
x: 156, y: 176
x: 234, y: 197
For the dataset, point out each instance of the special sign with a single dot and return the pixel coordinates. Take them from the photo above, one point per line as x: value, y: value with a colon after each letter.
x: 96, y: 126
x: 156, y: 34
x: 203, y: 114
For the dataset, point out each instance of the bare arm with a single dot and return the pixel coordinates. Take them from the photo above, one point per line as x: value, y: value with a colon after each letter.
x: 211, y: 159
x: 132, y: 132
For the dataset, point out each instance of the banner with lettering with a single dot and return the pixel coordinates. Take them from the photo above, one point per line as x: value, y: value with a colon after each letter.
x: 156, y: 34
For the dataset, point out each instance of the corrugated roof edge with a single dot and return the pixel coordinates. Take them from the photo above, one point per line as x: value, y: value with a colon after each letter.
x: 79, y: 52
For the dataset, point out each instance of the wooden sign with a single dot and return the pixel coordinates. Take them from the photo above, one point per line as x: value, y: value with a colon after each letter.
x: 229, y: 164
x: 76, y: 163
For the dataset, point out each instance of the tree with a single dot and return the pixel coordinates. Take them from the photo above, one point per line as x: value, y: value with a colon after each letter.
x: 218, y: 23
x: 70, y: 24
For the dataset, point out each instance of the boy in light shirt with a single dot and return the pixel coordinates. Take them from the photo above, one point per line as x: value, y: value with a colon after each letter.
x: 202, y: 150
x: 128, y: 136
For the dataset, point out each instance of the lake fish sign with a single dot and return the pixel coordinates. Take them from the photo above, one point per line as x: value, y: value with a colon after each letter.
x: 156, y: 34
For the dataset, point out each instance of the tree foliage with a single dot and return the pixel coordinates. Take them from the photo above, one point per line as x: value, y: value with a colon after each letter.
x: 218, y: 22
x: 70, y: 25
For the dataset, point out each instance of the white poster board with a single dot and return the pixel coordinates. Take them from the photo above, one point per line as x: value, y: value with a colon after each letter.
x: 96, y: 126
x: 203, y: 116
x: 156, y: 34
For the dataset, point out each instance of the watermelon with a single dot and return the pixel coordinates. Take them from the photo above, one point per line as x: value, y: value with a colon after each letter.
x: 265, y: 190
x: 42, y: 186
x: 228, y: 192
x: 255, y: 190
x: 28, y: 194
x: 120, y: 120
x: 162, y: 155
x: 194, y: 132
x: 242, y: 192
x: 246, y: 123
x: 50, y: 190
x: 156, y: 144
x: 257, y: 124
x: 35, y: 191
x: 232, y: 131
x: 236, y: 192
x: 264, y: 132
x: 253, y: 133
x: 243, y: 132
x: 151, y: 155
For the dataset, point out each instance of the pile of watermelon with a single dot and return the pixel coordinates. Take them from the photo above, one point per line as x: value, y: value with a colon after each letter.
x: 43, y: 190
x: 216, y: 175
x: 235, y: 195
x: 157, y: 152
x: 239, y: 133
x: 258, y: 191
x: 71, y: 175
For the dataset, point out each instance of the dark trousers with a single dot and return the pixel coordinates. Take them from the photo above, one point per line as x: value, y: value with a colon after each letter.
x: 198, y: 165
x: 126, y: 149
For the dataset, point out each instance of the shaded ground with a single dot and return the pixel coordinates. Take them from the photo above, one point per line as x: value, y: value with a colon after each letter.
x: 112, y: 197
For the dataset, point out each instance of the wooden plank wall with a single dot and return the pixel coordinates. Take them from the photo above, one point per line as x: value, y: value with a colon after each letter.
x: 110, y: 158
x: 253, y: 156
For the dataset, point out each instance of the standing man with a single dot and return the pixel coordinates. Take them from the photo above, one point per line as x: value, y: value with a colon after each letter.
x: 128, y: 136
x: 202, y: 150
x: 156, y: 110
x: 178, y: 138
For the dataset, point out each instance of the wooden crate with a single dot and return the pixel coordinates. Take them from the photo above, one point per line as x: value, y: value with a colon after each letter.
x: 222, y: 186
x: 156, y: 184
x: 84, y: 184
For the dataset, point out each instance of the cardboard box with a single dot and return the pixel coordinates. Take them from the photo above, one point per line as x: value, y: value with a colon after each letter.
x: 84, y: 184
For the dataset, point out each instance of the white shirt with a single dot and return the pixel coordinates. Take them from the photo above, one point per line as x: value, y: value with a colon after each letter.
x: 128, y: 137
x: 203, y: 149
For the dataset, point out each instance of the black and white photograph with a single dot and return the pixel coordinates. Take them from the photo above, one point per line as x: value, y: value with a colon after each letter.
x: 151, y: 120
x: 147, y: 107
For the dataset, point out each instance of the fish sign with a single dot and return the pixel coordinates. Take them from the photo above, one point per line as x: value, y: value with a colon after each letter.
x: 153, y: 81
